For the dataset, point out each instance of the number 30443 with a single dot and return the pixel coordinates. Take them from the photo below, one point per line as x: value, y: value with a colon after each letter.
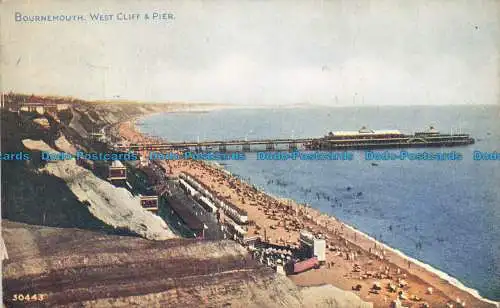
x: 29, y: 297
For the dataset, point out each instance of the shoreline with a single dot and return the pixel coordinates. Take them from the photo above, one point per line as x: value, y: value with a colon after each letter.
x: 419, y: 269
x: 441, y: 274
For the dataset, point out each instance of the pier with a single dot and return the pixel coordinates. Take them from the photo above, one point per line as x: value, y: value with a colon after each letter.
x: 222, y: 146
x: 342, y: 140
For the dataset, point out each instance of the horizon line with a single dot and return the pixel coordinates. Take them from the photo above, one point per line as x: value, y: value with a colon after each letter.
x: 236, y: 105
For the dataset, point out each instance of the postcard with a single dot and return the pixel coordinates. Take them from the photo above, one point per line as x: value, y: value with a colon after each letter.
x: 250, y: 153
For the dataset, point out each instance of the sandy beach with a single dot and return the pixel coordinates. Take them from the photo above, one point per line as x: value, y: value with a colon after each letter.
x: 353, y: 258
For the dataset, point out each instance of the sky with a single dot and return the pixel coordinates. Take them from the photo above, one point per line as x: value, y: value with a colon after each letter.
x: 258, y: 52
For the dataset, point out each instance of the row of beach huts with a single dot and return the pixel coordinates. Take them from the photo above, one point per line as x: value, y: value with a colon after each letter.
x: 231, y: 218
x: 234, y: 221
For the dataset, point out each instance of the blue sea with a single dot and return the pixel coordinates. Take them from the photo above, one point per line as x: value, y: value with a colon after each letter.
x: 444, y: 213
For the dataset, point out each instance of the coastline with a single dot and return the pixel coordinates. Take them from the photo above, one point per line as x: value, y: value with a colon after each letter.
x: 427, y: 267
x: 420, y: 270
x: 441, y: 274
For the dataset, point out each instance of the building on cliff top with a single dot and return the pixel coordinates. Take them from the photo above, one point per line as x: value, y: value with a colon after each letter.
x: 117, y: 171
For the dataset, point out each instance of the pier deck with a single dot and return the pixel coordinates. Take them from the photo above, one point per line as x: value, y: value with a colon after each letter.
x: 222, y: 145
x: 290, y: 144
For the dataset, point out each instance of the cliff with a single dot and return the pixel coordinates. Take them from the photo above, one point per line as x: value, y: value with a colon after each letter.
x: 78, y: 268
x: 61, y: 193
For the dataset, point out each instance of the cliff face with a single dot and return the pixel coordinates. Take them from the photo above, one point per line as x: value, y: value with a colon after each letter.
x: 61, y: 193
x: 32, y: 196
x: 78, y: 268
x: 75, y: 266
x: 114, y: 206
x: 92, y: 115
